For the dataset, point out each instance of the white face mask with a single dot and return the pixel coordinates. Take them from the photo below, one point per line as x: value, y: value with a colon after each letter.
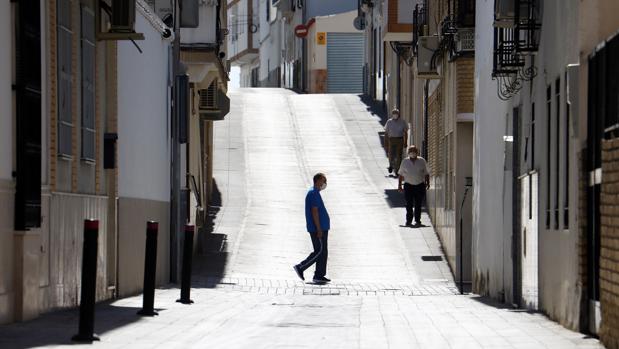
x: 395, y: 116
x: 323, y: 186
x: 412, y: 155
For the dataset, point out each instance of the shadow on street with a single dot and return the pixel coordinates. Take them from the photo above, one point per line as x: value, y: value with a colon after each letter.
x: 212, y: 256
x: 57, y: 328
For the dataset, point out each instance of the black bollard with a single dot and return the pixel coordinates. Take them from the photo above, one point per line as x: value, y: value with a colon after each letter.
x: 89, y: 282
x: 186, y: 272
x: 150, y: 270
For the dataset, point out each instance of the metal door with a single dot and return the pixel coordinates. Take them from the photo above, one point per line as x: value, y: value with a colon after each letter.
x: 345, y: 62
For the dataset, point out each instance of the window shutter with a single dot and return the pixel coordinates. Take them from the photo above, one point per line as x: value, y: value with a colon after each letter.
x: 65, y: 116
x: 88, y: 83
x: 28, y: 125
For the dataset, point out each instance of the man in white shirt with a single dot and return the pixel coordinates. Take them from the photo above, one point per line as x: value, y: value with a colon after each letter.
x: 396, y: 131
x: 414, y: 173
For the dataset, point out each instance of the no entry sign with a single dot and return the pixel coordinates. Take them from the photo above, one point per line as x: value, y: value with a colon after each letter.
x: 300, y: 31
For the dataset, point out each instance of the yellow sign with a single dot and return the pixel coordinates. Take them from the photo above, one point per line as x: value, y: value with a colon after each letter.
x: 321, y: 38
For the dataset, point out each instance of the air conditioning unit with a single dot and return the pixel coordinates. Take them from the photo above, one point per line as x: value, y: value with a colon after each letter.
x: 504, y: 13
x: 123, y: 16
x: 465, y: 40
x: 426, y: 47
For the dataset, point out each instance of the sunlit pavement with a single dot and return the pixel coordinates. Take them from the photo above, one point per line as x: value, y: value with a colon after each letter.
x: 246, y: 294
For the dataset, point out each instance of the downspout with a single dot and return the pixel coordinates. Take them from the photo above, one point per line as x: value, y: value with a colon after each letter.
x: 304, y: 52
x: 425, y: 119
x: 399, y: 82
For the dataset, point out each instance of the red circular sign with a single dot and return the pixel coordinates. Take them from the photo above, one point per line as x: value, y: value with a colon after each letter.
x: 300, y: 31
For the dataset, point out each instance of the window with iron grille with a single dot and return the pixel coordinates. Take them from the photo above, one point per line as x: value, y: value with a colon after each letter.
x: 65, y: 76
x: 548, y: 151
x: 88, y: 83
x: 557, y: 148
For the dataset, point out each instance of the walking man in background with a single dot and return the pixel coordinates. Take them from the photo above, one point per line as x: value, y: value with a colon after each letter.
x: 396, y: 131
x: 318, y: 224
x: 414, y: 173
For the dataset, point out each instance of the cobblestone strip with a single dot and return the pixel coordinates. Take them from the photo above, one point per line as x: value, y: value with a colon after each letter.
x: 281, y: 287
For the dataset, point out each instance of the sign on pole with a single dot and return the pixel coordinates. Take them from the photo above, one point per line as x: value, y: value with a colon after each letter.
x: 301, y: 31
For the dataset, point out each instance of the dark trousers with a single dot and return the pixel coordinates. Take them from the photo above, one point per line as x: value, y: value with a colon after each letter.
x: 414, y: 195
x: 319, y: 256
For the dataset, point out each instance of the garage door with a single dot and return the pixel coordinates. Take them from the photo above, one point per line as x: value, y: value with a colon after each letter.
x: 344, y: 63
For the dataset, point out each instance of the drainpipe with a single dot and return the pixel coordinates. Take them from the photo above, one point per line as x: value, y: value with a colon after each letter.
x: 304, y: 51
x: 425, y: 119
x: 399, y: 82
x: 175, y: 175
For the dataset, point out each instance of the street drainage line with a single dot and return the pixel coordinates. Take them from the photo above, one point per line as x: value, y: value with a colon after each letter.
x: 241, y: 232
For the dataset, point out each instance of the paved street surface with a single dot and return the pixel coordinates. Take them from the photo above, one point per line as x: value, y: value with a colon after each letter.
x: 384, y: 293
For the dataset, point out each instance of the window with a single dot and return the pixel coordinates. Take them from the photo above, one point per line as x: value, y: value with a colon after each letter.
x: 548, y: 152
x: 558, y: 148
x: 88, y: 83
x: 566, y: 186
x: 532, y: 166
x: 466, y: 13
x: 65, y: 76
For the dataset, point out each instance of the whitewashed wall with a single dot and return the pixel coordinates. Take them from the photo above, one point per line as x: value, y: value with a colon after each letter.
x: 143, y: 154
x: 143, y: 117
x: 491, y: 246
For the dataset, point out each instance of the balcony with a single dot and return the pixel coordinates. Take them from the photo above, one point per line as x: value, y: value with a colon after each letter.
x: 398, y: 21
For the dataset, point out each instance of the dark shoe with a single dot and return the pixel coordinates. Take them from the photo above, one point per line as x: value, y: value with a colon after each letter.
x: 299, y: 272
x: 321, y: 280
x: 396, y: 173
x: 418, y: 224
x: 408, y: 224
x: 390, y: 169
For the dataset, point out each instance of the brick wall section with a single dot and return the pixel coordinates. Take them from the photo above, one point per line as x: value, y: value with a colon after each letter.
x: 582, y: 240
x: 465, y: 75
x: 435, y: 131
x: 53, y: 99
x: 609, y: 255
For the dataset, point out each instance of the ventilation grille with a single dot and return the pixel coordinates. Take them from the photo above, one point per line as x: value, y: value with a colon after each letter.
x: 466, y: 40
x: 208, y: 99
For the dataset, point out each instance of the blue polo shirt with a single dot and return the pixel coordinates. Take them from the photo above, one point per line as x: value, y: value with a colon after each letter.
x: 313, y: 199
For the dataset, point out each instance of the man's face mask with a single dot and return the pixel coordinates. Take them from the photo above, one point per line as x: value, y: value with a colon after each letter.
x: 323, y: 186
x: 395, y: 116
x: 412, y: 154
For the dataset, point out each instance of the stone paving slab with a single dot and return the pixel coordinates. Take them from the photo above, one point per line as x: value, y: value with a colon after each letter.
x: 228, y: 318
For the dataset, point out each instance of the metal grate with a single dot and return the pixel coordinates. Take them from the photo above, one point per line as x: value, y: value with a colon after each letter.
x: 466, y: 40
x: 208, y: 100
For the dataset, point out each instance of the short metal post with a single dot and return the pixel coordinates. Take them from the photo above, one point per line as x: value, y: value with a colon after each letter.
x: 89, y: 282
x: 150, y: 270
x: 187, y: 259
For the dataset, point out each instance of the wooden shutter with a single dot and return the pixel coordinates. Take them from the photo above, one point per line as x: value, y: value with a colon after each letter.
x: 88, y: 83
x: 28, y: 125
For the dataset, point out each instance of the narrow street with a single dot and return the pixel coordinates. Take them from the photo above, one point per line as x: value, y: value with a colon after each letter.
x: 385, y: 292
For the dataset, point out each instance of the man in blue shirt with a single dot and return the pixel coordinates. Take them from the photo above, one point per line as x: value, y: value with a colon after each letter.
x: 318, y: 224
